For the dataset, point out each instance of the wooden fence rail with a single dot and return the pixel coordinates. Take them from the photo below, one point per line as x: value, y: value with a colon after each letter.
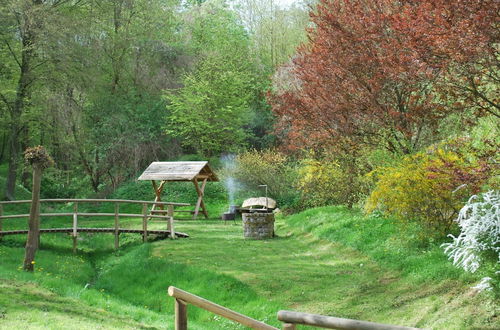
x: 291, y: 318
x: 183, y: 298
x: 116, y: 230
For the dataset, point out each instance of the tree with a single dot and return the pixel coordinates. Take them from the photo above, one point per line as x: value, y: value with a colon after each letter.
x: 275, y: 31
x: 22, y: 23
x: 359, y: 82
x: 211, y: 112
x: 460, y: 39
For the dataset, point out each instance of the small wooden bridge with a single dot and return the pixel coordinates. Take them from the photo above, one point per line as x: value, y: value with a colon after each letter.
x: 146, y: 215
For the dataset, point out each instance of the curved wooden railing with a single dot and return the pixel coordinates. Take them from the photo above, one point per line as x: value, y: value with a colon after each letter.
x: 183, y: 298
x: 291, y: 318
x: 145, y: 215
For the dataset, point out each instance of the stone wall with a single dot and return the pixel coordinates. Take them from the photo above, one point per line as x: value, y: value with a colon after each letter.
x: 258, y: 225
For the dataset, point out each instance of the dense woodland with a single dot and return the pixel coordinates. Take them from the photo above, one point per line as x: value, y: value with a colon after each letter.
x: 388, y: 106
x: 109, y: 86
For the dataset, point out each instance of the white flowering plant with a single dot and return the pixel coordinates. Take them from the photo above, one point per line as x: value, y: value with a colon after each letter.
x: 478, y: 243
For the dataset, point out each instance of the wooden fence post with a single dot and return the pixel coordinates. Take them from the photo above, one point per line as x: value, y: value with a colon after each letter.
x: 34, y: 228
x: 39, y: 159
x: 170, y: 223
x: 145, y: 222
x: 180, y: 315
x: 74, y: 234
x: 117, y: 225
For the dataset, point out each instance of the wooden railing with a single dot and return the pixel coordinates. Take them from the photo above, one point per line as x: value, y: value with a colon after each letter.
x: 290, y: 319
x: 183, y: 298
x: 145, y: 215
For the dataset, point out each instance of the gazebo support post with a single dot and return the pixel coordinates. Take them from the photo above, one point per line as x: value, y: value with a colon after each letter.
x: 200, y: 202
x: 158, y: 190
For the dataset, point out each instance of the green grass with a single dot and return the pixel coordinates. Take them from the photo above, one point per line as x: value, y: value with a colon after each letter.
x: 329, y: 260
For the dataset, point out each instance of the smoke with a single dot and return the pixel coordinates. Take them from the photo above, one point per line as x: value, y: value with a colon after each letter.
x: 229, y: 164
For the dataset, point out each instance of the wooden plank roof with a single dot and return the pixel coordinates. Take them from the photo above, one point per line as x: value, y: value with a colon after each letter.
x: 178, y: 171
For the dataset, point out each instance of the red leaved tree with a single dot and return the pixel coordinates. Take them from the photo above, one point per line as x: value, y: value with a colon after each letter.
x: 367, y: 78
x: 462, y: 40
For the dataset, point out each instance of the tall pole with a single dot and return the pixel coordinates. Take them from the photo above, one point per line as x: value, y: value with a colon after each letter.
x: 39, y: 159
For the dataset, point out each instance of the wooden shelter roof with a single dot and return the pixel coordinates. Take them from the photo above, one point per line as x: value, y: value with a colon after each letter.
x: 178, y: 171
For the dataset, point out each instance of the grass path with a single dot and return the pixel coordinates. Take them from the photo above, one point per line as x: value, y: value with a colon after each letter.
x: 304, y: 273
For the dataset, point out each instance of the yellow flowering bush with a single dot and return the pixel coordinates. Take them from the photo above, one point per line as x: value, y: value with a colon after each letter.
x: 429, y: 187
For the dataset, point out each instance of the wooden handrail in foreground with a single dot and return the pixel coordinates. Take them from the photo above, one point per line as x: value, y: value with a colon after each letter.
x: 291, y: 318
x: 183, y: 298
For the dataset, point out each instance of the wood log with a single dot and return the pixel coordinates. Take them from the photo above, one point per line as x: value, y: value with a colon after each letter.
x: 330, y: 322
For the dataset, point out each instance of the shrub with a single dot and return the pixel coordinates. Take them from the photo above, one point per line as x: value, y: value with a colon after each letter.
x: 329, y: 182
x: 270, y: 167
x: 479, y: 238
x: 428, y: 187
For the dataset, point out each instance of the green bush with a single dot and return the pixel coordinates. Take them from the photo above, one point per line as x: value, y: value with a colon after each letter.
x: 272, y: 168
x: 330, y: 182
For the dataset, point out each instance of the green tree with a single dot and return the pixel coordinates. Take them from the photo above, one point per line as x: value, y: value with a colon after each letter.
x: 211, y: 112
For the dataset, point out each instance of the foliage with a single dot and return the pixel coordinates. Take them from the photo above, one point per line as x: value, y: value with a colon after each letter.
x: 479, y: 238
x: 428, y: 187
x: 272, y: 168
x: 460, y: 39
x: 364, y: 79
x: 211, y: 111
x: 275, y: 30
x: 356, y: 82
x: 329, y: 181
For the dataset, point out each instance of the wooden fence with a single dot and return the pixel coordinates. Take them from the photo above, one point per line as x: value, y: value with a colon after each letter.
x: 116, y: 230
x: 183, y: 298
x: 289, y: 318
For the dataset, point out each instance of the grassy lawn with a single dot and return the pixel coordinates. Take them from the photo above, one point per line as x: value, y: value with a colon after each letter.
x: 329, y: 261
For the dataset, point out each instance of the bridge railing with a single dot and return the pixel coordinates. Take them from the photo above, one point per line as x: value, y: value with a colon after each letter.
x: 145, y: 214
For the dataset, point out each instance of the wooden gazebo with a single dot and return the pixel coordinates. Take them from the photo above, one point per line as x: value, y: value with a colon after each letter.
x: 196, y: 172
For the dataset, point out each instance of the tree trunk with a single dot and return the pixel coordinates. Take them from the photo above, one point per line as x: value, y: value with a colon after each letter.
x: 27, y: 33
x: 34, y: 221
x: 13, y: 161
